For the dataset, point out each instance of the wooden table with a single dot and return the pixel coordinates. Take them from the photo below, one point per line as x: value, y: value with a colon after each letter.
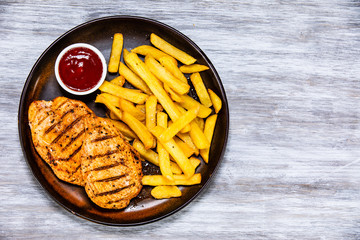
x: 291, y: 73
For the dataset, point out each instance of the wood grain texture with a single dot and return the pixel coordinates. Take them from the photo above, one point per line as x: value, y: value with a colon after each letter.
x: 291, y: 73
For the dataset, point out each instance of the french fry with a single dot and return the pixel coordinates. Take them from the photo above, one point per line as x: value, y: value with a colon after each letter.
x: 193, y: 68
x: 162, y: 119
x: 188, y: 103
x: 125, y: 106
x: 125, y: 53
x: 188, y: 151
x: 179, y: 124
x: 182, y: 112
x: 112, y: 116
x: 217, y: 103
x: 141, y: 107
x: 150, y: 111
x: 175, y: 169
x: 174, y: 96
x: 129, y: 107
x: 148, y: 154
x: 124, y: 129
x: 115, y: 54
x: 133, y: 79
x: 151, y: 156
x: 102, y: 99
x: 187, y: 139
x: 120, y: 80
x: 161, y: 192
x: 132, y: 95
x: 139, y: 128
x: 171, y: 50
x: 159, y: 108
x: 181, y: 109
x: 165, y: 76
x: 114, y: 100
x: 172, y: 67
x: 157, y: 180
x: 200, y: 122
x: 200, y: 89
x: 164, y: 158
x: 136, y: 126
x: 198, y: 136
x: 146, y: 50
x: 175, y: 151
x: 208, y: 132
x: 141, y: 69
x: 195, y: 162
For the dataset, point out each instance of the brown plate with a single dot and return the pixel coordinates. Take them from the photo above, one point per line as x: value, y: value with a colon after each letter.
x: 41, y: 84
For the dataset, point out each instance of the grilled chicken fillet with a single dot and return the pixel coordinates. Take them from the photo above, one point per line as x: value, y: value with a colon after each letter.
x: 111, y: 167
x: 57, y: 129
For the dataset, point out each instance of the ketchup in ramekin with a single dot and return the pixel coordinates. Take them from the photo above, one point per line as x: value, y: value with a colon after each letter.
x: 80, y: 69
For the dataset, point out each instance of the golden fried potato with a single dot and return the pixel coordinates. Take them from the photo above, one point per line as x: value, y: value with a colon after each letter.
x: 157, y: 180
x: 133, y: 79
x: 171, y: 50
x: 208, y: 132
x: 135, y: 96
x: 217, y: 103
x: 172, y: 67
x: 161, y: 192
x: 193, y: 68
x: 198, y: 136
x: 188, y: 103
x: 179, y: 124
x: 115, y: 54
x: 146, y: 50
x: 139, y: 128
x: 165, y: 76
x: 120, y: 81
x: 175, y: 151
x: 201, y: 89
x: 164, y: 157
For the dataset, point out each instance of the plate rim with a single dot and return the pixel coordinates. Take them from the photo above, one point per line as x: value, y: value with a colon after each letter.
x: 124, y: 17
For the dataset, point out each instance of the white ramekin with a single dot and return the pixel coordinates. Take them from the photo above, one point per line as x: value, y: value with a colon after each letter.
x: 84, y: 45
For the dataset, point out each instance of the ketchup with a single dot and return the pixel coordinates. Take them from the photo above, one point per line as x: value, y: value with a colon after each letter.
x: 80, y: 69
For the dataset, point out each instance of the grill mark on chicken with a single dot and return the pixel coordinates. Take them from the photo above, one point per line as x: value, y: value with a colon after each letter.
x: 52, y: 127
x: 43, y: 119
x: 108, y: 153
x: 62, y: 104
x: 104, y: 167
x: 107, y: 166
x: 76, y: 169
x: 73, y: 139
x: 51, y: 159
x: 71, y: 155
x: 114, y: 191
x: 109, y: 179
x: 116, y: 201
x: 67, y: 112
x: 104, y: 138
x: 67, y: 129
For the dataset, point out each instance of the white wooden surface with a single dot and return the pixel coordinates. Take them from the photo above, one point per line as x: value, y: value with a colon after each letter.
x: 291, y: 73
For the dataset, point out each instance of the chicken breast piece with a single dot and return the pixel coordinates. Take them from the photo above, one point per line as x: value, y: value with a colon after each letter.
x: 111, y: 167
x: 57, y: 129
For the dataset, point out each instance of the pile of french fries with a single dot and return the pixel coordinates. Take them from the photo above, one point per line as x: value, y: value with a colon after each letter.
x: 165, y: 125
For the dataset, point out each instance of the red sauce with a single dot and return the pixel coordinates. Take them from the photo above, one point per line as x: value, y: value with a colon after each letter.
x: 80, y: 69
